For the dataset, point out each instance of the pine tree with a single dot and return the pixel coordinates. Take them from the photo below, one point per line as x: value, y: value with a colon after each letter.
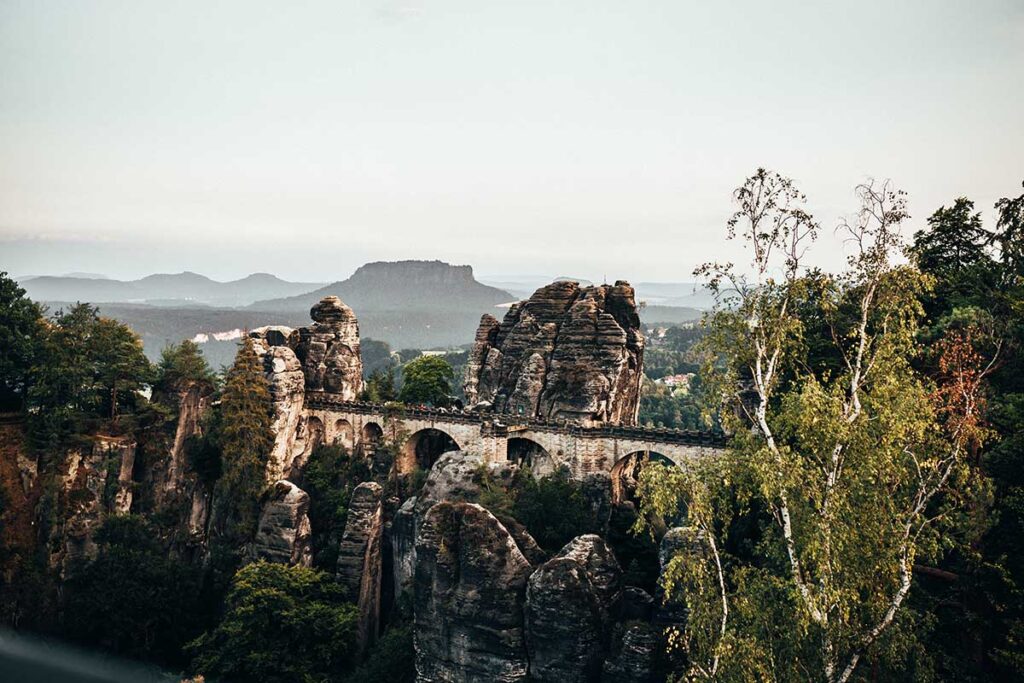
x: 246, y: 441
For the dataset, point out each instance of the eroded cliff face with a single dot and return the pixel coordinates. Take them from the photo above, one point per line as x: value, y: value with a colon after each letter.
x: 321, y: 357
x: 95, y: 482
x: 360, y: 562
x: 470, y: 591
x: 284, y: 533
x: 567, y: 352
x: 329, y: 350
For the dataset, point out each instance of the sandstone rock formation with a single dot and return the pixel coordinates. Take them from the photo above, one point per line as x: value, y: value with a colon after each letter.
x: 321, y: 357
x: 470, y: 589
x: 329, y: 350
x: 567, y: 352
x: 283, y: 533
x: 677, y: 540
x: 563, y: 623
x: 456, y: 476
x: 359, y: 558
x: 633, y: 657
x: 85, y: 500
x: 598, y: 560
x: 401, y: 540
x: 287, y: 394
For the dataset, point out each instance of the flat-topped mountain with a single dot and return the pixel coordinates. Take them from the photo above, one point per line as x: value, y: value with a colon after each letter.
x: 165, y: 288
x: 422, y: 286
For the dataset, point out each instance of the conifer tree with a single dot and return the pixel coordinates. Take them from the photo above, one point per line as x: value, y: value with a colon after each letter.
x: 246, y: 441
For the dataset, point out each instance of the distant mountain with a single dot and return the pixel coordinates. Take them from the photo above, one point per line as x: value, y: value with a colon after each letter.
x: 421, y: 286
x: 180, y: 289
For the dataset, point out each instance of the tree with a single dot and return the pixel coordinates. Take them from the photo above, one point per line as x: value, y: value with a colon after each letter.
x: 379, y: 387
x: 427, y: 379
x: 132, y: 599
x: 955, y: 250
x: 245, y: 440
x: 121, y: 366
x: 87, y: 368
x: 859, y: 469
x: 280, y: 624
x: 21, y: 326
x: 183, y: 365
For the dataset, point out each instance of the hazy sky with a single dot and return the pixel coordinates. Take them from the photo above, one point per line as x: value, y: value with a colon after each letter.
x: 581, y: 138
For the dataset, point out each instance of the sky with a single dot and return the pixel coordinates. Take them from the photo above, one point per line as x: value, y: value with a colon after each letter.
x: 591, y: 138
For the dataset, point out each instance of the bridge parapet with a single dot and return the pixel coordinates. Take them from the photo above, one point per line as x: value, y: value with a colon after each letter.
x: 501, y: 424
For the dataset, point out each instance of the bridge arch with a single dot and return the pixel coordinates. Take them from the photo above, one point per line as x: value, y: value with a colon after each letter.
x: 528, y: 453
x: 625, y: 473
x: 371, y: 434
x: 423, y: 448
x: 343, y: 434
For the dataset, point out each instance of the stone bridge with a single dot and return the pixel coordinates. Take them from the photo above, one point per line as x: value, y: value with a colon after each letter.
x: 426, y: 433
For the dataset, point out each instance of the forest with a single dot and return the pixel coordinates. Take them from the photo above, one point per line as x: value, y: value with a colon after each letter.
x: 865, y: 523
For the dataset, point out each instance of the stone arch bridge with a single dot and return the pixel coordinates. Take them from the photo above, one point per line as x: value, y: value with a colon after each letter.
x: 425, y: 433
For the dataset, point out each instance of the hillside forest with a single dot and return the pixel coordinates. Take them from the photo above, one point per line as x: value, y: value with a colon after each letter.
x: 866, y: 522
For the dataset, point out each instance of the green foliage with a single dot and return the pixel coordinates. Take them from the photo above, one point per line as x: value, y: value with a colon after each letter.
x: 427, y: 379
x: 21, y: 329
x: 392, y: 660
x: 183, y: 365
x: 132, y: 600
x: 245, y: 443
x: 554, y: 509
x: 379, y: 387
x: 859, y: 458
x: 280, y: 624
x: 88, y: 368
x: 660, y: 406
x: 331, y: 475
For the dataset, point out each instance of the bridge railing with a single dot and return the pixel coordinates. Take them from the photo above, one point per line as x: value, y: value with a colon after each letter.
x: 502, y: 422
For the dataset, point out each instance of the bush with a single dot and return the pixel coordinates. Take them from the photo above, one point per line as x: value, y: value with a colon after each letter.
x: 330, y: 477
x: 132, y: 600
x: 392, y: 660
x: 280, y: 624
x: 554, y: 510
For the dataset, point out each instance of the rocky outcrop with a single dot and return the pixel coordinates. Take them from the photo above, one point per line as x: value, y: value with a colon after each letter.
x: 329, y: 350
x: 457, y: 476
x: 94, y: 485
x: 633, y: 658
x: 192, y: 401
x: 564, y: 623
x: 287, y: 395
x: 598, y: 560
x: 283, y: 534
x: 401, y: 539
x: 567, y: 352
x: 469, y: 596
x: 677, y: 540
x: 359, y: 558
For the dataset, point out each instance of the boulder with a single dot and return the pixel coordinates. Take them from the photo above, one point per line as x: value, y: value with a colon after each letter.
x: 359, y: 558
x: 567, y: 352
x: 564, y: 623
x: 633, y: 658
x: 283, y: 533
x: 597, y: 558
x: 457, y: 476
x: 469, y: 594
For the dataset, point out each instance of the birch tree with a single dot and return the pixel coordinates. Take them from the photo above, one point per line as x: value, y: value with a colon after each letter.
x: 858, y: 461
